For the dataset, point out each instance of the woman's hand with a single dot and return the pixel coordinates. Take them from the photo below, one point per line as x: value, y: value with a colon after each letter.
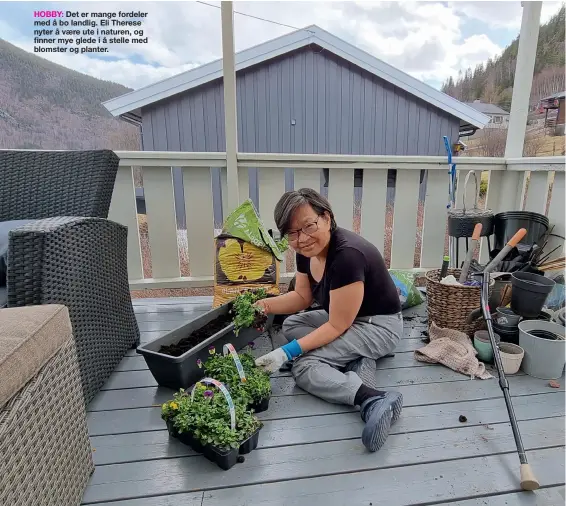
x: 272, y: 361
x: 263, y: 304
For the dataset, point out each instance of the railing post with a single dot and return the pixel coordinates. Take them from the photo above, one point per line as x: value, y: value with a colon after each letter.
x: 523, y: 81
x: 230, y: 111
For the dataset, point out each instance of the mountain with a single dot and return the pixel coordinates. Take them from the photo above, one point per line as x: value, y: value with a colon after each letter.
x: 492, y: 82
x: 47, y: 106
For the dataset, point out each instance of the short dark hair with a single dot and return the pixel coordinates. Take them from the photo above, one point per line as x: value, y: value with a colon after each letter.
x: 291, y: 201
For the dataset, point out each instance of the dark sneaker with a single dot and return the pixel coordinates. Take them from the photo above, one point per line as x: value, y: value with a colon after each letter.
x: 379, y: 413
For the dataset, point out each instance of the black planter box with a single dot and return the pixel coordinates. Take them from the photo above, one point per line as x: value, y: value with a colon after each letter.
x: 183, y: 371
x: 225, y: 459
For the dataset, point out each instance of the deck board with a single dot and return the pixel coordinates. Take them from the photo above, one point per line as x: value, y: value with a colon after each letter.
x: 310, y: 452
x: 298, y: 462
x: 413, y: 395
x: 385, y: 378
x: 315, y: 429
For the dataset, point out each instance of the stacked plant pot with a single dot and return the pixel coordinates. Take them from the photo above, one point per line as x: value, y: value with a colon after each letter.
x: 506, y: 324
x: 543, y: 341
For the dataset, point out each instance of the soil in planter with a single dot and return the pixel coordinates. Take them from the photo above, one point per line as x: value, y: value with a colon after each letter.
x: 196, y: 337
x: 545, y: 334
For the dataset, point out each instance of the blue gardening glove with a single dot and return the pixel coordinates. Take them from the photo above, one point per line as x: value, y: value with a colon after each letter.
x: 273, y: 360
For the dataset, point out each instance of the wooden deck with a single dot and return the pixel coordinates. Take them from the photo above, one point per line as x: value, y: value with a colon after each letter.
x: 310, y: 453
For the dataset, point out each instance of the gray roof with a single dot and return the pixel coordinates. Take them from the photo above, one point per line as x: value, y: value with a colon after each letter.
x: 559, y: 94
x: 486, y: 108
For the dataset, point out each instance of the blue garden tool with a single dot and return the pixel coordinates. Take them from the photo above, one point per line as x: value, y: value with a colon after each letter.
x: 452, y: 174
x: 451, y: 195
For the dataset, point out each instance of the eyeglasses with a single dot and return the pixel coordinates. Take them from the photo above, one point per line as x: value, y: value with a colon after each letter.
x: 308, y: 229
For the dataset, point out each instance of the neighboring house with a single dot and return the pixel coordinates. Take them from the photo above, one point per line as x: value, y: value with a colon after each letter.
x: 498, y: 118
x: 554, y: 112
x: 304, y: 92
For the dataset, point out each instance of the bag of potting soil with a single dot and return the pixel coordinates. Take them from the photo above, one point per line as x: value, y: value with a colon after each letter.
x: 409, y: 295
x: 246, y: 256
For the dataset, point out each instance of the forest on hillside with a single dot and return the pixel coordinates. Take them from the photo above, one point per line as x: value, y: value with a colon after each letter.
x: 48, y: 106
x: 492, y: 82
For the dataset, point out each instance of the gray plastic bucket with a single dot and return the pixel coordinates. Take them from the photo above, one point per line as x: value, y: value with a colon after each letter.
x: 544, y: 358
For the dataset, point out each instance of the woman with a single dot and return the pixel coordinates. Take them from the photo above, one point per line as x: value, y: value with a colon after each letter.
x: 361, y: 315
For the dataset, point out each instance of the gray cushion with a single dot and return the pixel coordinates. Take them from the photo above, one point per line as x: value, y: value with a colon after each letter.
x: 5, y: 227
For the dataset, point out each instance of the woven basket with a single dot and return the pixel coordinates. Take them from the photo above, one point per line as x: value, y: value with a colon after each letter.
x: 450, y: 305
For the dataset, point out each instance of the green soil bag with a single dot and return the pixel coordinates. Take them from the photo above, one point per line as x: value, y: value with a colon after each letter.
x: 409, y: 295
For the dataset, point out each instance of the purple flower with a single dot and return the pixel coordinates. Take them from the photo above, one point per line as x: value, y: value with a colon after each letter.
x: 209, y: 393
x: 211, y: 350
x: 199, y: 363
x: 251, y: 344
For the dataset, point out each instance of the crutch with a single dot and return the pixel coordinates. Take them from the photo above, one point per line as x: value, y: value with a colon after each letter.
x: 528, y: 479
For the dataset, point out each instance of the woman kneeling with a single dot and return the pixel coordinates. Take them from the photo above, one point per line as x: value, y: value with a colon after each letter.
x: 361, y: 316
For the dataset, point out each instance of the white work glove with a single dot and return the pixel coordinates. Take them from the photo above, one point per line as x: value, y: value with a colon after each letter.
x: 272, y: 361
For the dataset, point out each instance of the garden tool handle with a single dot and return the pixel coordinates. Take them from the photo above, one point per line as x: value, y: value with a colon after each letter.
x: 470, y: 253
x: 506, y: 249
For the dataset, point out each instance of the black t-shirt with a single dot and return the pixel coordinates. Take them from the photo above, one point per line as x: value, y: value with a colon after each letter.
x: 352, y: 258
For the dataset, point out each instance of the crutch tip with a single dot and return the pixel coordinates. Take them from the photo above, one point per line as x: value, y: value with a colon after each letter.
x: 528, y: 480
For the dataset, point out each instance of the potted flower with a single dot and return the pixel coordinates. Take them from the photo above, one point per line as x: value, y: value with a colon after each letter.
x: 247, y: 383
x: 246, y: 315
x: 211, y: 424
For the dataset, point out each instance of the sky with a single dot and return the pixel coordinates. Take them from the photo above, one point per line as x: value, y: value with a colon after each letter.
x: 428, y: 40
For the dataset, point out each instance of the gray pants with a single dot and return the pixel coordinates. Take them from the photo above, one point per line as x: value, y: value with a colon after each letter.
x: 319, y: 371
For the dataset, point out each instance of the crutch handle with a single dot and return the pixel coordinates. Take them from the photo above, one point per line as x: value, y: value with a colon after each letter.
x: 528, y: 479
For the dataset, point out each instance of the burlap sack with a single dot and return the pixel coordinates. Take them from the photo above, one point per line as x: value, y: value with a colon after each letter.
x: 453, y: 349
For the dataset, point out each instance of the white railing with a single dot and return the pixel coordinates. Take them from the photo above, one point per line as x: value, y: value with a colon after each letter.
x: 410, y: 233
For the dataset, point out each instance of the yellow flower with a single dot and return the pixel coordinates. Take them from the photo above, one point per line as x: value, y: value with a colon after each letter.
x: 174, y: 405
x: 243, y: 262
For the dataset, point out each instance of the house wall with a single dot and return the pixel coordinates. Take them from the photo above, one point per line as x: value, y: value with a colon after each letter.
x: 560, y: 115
x: 308, y: 101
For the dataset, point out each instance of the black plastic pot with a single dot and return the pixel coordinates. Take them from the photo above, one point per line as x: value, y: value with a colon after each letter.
x: 183, y: 371
x: 171, y: 429
x: 250, y: 444
x: 262, y: 405
x: 507, y: 334
x: 506, y: 224
x: 225, y: 459
x: 529, y: 293
x: 543, y: 315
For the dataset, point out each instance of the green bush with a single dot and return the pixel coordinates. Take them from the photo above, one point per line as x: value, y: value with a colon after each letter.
x: 483, y: 187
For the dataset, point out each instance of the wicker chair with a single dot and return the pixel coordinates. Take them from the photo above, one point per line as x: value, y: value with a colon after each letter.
x: 71, y: 254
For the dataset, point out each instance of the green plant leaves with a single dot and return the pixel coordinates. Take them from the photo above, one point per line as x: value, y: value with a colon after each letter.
x: 207, y: 417
x: 245, y: 313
